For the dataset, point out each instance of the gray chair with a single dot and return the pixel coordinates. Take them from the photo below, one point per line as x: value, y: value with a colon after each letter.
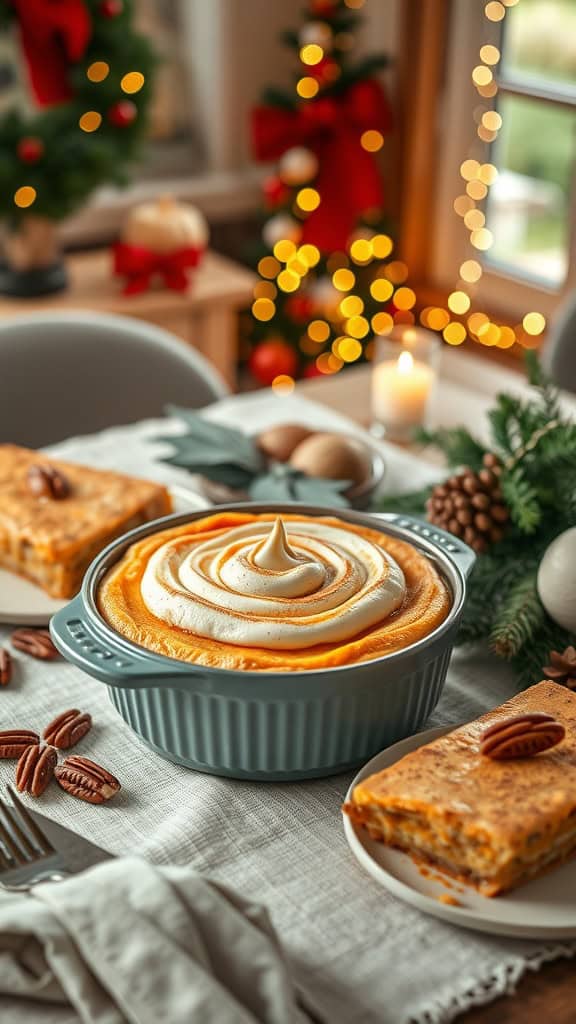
x: 559, y: 352
x: 63, y: 374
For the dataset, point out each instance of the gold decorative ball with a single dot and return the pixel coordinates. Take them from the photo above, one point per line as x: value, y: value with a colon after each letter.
x: 332, y: 457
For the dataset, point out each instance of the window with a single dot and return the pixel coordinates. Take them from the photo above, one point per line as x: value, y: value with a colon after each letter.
x: 530, y: 208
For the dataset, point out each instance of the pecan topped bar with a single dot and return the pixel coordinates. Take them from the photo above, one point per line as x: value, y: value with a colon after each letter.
x: 51, y: 534
x: 490, y: 822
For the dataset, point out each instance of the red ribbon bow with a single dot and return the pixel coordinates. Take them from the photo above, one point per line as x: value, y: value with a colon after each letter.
x: 348, y: 180
x: 139, y: 265
x: 55, y: 34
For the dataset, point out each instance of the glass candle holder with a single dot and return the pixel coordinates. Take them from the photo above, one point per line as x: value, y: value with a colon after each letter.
x: 404, y: 377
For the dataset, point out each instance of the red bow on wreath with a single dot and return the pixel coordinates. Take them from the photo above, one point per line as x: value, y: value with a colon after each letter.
x: 348, y: 180
x: 55, y: 34
x: 138, y: 265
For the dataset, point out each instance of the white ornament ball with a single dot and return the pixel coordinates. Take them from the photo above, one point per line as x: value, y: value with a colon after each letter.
x: 557, y: 580
x: 165, y: 226
x: 297, y: 166
x: 325, y: 297
x: 316, y: 33
x: 281, y: 226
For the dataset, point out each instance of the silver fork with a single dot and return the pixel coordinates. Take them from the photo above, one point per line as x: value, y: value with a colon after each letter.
x: 27, y: 856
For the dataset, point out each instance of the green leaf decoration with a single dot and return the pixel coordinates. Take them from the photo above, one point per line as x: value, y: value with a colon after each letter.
x: 207, y: 444
x: 283, y: 483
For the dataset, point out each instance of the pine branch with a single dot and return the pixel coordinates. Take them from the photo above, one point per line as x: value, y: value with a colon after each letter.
x: 519, y: 619
x: 457, y: 444
x: 522, y: 499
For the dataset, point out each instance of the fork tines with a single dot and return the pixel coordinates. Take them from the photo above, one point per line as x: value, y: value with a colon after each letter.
x: 22, y: 841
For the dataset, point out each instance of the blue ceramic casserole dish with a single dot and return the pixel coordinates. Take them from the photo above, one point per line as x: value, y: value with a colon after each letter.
x: 269, y: 725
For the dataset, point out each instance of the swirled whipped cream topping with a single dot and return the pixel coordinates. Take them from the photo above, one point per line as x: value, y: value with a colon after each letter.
x: 279, y: 587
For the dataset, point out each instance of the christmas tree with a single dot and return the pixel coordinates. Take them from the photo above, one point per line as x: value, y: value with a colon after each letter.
x: 89, y: 76
x: 328, y: 285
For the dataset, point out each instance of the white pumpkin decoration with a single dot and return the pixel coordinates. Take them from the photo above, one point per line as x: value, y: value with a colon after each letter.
x: 298, y: 165
x: 164, y: 226
x: 557, y: 580
x: 279, y: 227
x: 316, y: 33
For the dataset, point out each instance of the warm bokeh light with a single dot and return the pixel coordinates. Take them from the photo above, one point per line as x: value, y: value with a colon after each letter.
x: 372, y: 140
x: 132, y: 82
x: 307, y: 87
x: 487, y: 92
x: 268, y: 267
x: 462, y: 204
x: 438, y: 318
x: 459, y: 302
x: 265, y: 290
x: 288, y: 281
x: 283, y: 384
x: 381, y: 246
x: 343, y: 279
x: 475, y: 322
x: 98, y: 71
x: 482, y: 239
x: 24, y: 196
x: 507, y: 337
x: 354, y: 5
x: 489, y: 54
x: 488, y: 174
x: 397, y: 272
x: 284, y: 250
x: 311, y: 54
x: 474, y: 220
x: 470, y: 271
x: 361, y: 250
x: 297, y: 266
x: 534, y: 323
x: 263, y: 309
x: 352, y: 305
x: 328, y: 363
x: 494, y: 10
x: 319, y: 331
x: 382, y: 323
x: 481, y: 75
x: 489, y: 334
x: 404, y: 316
x: 90, y: 121
x: 404, y: 298
x: 492, y: 120
x: 308, y: 199
x: 454, y: 334
x: 357, y: 327
x: 309, y: 254
x: 469, y: 169
x: 381, y: 289
x: 477, y: 189
x: 347, y: 349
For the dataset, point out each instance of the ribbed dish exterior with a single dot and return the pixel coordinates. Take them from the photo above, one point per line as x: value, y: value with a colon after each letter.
x: 283, y: 738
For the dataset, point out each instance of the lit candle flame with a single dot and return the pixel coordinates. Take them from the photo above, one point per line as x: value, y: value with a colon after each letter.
x: 405, y: 362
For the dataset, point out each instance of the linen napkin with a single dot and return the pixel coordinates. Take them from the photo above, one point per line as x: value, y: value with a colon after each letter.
x: 129, y: 943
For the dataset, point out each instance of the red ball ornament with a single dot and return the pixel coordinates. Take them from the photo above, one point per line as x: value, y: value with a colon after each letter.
x: 271, y: 358
x: 111, y: 8
x: 30, y: 149
x: 312, y: 371
x: 123, y: 113
x: 323, y: 8
x: 300, y: 308
x: 275, y: 191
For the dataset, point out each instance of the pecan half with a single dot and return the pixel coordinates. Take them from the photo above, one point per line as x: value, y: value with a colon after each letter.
x: 5, y: 667
x: 86, y: 780
x: 35, y: 642
x: 67, y: 729
x: 14, y: 741
x: 35, y: 768
x: 46, y: 481
x: 521, y: 736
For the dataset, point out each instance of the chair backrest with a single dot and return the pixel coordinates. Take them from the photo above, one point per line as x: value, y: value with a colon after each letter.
x: 559, y: 352
x: 63, y: 374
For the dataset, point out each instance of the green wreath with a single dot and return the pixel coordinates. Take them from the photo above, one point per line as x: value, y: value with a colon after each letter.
x: 78, y: 54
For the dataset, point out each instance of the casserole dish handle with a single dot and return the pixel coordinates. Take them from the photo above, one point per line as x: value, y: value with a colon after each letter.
x: 456, y: 549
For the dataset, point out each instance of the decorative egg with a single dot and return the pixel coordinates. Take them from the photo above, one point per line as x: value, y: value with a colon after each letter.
x: 281, y: 226
x: 557, y: 580
x: 279, y: 442
x: 165, y: 226
x: 298, y: 165
x: 316, y: 33
x: 333, y: 457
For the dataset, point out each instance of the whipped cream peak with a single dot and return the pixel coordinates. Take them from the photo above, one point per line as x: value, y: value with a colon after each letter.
x: 274, y: 552
x: 263, y: 584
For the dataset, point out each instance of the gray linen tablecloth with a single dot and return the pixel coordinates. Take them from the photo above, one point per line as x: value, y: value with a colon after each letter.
x: 361, y: 956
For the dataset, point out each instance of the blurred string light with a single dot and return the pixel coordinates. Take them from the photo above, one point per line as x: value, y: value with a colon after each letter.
x: 25, y: 196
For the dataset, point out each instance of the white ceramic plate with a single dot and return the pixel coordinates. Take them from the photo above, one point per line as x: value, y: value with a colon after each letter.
x: 542, y: 909
x: 24, y: 604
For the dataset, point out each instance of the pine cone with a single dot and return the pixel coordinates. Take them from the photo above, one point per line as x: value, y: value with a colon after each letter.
x: 470, y: 505
x: 562, y: 667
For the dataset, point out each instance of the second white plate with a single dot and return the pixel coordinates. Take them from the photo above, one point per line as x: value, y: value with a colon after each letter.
x: 542, y: 909
x: 24, y: 604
